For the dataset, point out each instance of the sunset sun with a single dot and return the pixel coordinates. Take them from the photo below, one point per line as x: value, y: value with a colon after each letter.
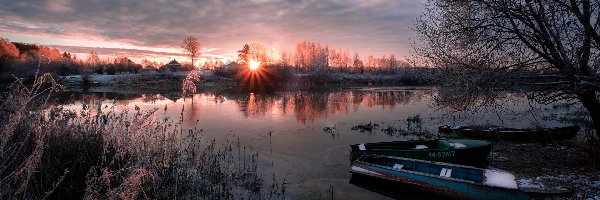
x: 254, y: 65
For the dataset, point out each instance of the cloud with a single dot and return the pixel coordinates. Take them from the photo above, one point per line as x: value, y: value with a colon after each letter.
x: 138, y: 54
x: 375, y: 26
x: 116, y: 51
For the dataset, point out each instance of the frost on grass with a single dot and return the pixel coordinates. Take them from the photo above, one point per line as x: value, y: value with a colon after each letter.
x: 585, y: 186
x: 530, y: 183
x: 99, y: 153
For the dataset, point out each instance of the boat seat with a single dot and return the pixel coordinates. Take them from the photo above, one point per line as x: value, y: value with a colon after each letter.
x: 446, y: 172
x: 398, y: 166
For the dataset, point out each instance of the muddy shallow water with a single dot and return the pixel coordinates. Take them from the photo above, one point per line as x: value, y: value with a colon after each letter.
x: 287, y: 128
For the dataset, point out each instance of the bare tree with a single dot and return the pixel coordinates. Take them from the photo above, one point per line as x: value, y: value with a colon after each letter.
x: 551, y: 45
x: 244, y: 54
x: 357, y: 64
x: 93, y: 59
x: 191, y: 46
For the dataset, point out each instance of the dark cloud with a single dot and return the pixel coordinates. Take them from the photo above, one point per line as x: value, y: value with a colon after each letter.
x: 116, y: 51
x: 376, y: 26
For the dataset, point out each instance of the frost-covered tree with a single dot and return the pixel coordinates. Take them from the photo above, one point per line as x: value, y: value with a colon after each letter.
x: 8, y: 52
x: 244, y: 54
x: 93, y: 59
x: 311, y: 55
x: 357, y: 64
x: 191, y: 46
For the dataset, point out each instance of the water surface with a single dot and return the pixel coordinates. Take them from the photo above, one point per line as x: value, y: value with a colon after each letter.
x: 286, y: 128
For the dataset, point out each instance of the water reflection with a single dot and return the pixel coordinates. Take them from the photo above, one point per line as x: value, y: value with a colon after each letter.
x: 314, y: 106
x: 306, y: 107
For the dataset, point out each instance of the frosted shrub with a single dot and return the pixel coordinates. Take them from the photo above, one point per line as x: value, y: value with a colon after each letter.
x: 98, y: 153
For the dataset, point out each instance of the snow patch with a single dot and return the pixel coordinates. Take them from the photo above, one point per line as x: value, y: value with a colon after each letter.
x: 362, y: 147
x: 457, y: 145
x: 420, y: 146
x: 500, y: 179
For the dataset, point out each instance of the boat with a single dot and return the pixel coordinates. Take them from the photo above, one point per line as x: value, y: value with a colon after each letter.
x: 452, y: 180
x: 392, y: 189
x: 460, y: 151
x: 513, y: 134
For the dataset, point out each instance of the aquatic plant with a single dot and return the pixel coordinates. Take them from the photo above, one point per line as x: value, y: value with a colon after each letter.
x: 414, y: 127
x: 365, y: 127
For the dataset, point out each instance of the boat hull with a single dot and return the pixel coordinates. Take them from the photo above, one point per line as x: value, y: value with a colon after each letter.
x: 510, y: 134
x: 468, y: 187
x: 475, y: 152
x: 444, y: 187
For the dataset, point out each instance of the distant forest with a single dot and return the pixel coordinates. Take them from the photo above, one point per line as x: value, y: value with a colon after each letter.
x: 24, y: 60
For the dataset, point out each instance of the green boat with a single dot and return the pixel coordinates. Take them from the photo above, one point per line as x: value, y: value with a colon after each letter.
x: 458, y: 151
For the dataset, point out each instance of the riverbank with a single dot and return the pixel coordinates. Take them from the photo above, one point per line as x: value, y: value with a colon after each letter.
x: 209, y: 81
x: 566, y: 163
x: 94, y: 153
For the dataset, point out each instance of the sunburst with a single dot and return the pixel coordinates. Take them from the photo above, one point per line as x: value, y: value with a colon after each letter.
x: 253, y: 65
x: 256, y: 76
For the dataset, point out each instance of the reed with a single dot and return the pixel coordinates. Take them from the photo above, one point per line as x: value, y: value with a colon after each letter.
x: 98, y: 153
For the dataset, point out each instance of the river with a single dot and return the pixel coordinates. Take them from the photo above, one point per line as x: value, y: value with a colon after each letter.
x: 287, y: 128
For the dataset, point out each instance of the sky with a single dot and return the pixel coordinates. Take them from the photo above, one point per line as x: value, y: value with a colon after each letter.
x: 154, y: 29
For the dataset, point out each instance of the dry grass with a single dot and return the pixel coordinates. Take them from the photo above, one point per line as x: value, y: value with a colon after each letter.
x: 97, y: 153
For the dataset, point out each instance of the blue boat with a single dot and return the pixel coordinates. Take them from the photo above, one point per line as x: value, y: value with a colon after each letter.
x: 457, y: 181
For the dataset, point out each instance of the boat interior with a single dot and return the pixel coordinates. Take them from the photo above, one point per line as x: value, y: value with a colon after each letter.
x: 448, y: 171
x: 404, y: 145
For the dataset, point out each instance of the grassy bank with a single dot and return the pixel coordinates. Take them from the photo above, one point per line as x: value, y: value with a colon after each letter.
x: 99, y: 153
x: 278, y: 78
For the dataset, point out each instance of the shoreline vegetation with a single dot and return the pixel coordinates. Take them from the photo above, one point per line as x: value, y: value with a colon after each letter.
x: 310, y: 64
x: 97, y: 153
x: 210, y: 81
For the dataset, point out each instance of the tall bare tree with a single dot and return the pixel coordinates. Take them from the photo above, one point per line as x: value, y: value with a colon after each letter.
x: 552, y: 45
x: 357, y: 64
x: 93, y: 59
x: 191, y: 46
x: 244, y: 54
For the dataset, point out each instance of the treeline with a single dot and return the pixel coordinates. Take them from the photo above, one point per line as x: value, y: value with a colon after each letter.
x: 313, y: 63
x: 309, y: 56
x: 24, y: 60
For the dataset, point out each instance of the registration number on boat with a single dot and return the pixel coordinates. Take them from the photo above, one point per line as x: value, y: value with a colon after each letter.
x: 441, y: 154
